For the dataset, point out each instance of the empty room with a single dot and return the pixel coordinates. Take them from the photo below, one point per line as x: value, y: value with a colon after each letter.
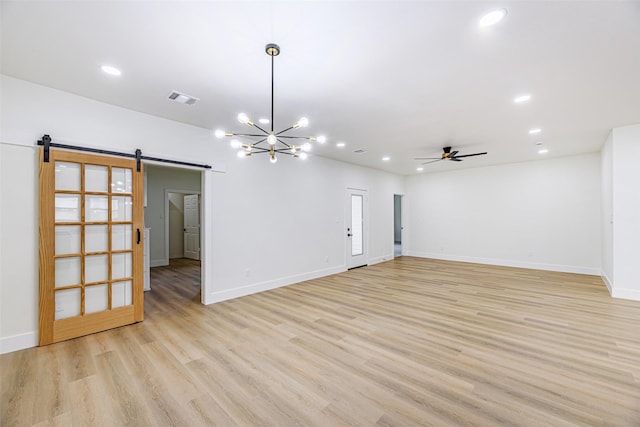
x: 362, y: 213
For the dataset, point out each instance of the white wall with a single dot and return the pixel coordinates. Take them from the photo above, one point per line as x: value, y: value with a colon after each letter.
x: 626, y: 212
x: 283, y: 222
x: 543, y: 214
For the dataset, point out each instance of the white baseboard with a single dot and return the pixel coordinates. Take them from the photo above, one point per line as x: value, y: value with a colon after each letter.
x: 631, y: 294
x: 158, y: 263
x: 380, y: 259
x: 18, y: 342
x: 242, y: 291
x: 607, y: 282
x: 510, y: 263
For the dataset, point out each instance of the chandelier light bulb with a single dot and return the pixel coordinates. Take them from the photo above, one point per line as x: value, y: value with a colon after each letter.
x: 322, y: 139
x: 271, y: 139
x: 243, y: 118
x: 242, y: 154
x: 293, y: 149
x: 273, y: 158
x: 303, y: 122
x: 219, y: 133
x: 304, y: 156
x: 306, y: 147
x: 235, y: 143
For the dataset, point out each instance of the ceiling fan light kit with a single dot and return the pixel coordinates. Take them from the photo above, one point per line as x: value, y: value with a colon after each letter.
x: 271, y: 142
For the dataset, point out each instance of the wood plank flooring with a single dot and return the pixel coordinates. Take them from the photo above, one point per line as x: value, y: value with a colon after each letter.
x: 402, y: 343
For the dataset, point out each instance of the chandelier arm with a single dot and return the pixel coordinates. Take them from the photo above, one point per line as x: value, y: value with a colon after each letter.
x: 260, y: 150
x: 285, y: 144
x: 296, y: 137
x: 249, y: 134
x: 283, y: 131
x: 283, y: 151
x: 266, y: 133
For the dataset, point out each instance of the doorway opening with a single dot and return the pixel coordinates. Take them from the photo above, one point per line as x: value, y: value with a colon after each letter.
x: 397, y: 225
x: 173, y: 215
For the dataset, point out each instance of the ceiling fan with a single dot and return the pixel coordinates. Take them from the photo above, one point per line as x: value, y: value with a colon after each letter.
x: 448, y: 155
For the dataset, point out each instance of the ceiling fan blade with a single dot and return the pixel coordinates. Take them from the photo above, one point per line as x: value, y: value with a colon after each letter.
x: 432, y: 161
x: 447, y: 150
x: 471, y: 155
x: 453, y: 153
x: 427, y: 158
x: 455, y: 159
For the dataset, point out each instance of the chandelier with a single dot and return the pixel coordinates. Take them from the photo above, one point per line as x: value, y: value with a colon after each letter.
x: 271, y: 142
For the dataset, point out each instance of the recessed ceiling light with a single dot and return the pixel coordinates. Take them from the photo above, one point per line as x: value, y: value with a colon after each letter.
x: 534, y: 131
x: 386, y: 158
x: 543, y: 151
x: 420, y: 169
x: 492, y: 17
x: 263, y: 121
x: 522, y: 98
x: 112, y: 71
x: 340, y: 144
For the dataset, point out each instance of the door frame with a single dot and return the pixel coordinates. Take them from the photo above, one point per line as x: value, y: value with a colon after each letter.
x: 365, y: 228
x: 404, y: 239
x: 166, y: 218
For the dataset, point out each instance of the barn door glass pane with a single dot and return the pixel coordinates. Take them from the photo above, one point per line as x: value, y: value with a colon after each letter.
x: 67, y: 303
x: 96, y: 268
x: 67, y: 239
x: 96, y: 208
x: 96, y: 238
x: 67, y: 208
x: 356, y: 224
x: 121, y: 265
x: 96, y: 298
x: 121, y: 180
x: 121, y: 237
x: 67, y: 271
x: 96, y: 178
x: 121, y: 208
x: 121, y: 294
x: 67, y: 176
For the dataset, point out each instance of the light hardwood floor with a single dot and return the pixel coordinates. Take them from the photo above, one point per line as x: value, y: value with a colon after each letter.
x: 406, y: 342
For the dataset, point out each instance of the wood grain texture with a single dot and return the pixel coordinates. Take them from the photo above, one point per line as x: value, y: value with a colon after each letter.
x: 402, y: 343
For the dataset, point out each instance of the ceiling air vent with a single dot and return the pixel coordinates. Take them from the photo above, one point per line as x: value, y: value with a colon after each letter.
x: 183, y: 98
x: 359, y: 151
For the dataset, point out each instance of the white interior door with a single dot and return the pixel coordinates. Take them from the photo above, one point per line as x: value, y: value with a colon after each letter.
x: 192, y: 227
x: 357, y: 222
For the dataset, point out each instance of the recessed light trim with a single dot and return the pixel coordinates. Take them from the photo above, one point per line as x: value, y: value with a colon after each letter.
x: 543, y: 151
x: 264, y: 121
x: 340, y: 144
x: 534, y: 131
x: 386, y: 158
x: 522, y: 98
x: 492, y: 18
x: 112, y: 71
x: 420, y: 169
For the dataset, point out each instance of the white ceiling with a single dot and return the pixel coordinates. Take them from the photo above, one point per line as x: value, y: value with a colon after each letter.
x: 394, y: 78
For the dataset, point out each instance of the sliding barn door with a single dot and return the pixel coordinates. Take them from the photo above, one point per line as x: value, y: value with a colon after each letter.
x: 91, y: 249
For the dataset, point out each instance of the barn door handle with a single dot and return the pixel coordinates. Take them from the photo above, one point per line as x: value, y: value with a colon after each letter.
x: 138, y: 230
